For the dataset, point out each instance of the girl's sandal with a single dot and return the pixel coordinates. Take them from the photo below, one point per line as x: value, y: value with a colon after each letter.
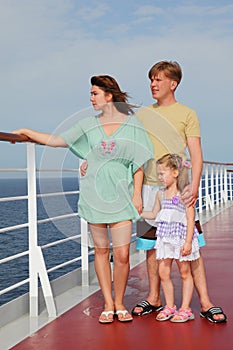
x: 166, y: 313
x: 183, y: 315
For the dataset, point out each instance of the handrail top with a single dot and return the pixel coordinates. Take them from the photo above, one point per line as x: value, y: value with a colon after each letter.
x: 10, y: 137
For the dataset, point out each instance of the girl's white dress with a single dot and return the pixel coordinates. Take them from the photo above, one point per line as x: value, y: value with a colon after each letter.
x: 171, y: 225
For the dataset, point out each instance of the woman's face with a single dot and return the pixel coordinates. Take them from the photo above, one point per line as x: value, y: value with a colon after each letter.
x: 99, y: 98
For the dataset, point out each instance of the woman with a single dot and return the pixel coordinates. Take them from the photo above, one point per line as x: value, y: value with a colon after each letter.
x: 116, y: 147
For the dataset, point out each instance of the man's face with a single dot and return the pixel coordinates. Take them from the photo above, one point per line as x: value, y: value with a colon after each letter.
x: 161, y: 86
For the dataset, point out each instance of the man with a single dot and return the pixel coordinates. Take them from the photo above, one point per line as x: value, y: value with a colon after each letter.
x: 172, y: 127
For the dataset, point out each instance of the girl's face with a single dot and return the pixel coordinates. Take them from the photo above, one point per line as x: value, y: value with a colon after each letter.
x: 166, y: 175
x: 99, y: 98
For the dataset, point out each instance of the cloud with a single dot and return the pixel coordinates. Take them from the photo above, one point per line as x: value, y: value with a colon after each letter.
x: 93, y: 12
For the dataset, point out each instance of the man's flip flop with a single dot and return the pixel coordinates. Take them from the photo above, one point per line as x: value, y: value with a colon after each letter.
x: 147, y: 308
x: 209, y: 314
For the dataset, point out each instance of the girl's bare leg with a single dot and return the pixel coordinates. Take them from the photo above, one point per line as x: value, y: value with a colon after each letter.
x: 188, y: 285
x: 167, y: 285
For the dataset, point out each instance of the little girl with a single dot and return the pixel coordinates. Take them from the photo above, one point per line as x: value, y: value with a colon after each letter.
x: 177, y: 237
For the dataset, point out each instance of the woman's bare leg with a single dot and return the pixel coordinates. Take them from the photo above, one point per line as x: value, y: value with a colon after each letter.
x: 121, y: 236
x: 102, y: 263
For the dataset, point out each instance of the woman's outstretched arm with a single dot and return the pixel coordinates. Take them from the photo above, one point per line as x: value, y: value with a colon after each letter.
x: 42, y: 138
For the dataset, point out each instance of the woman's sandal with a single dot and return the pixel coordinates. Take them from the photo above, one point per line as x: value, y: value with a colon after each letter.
x: 166, y: 313
x: 183, y: 315
x: 123, y: 314
x: 106, y: 318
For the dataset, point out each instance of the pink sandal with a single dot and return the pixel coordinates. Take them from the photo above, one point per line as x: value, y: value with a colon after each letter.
x: 166, y: 313
x: 183, y: 315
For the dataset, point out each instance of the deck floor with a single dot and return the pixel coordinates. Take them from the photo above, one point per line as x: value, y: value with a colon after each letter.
x: 79, y: 328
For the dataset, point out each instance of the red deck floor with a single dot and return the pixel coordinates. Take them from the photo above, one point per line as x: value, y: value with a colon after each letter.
x: 79, y: 327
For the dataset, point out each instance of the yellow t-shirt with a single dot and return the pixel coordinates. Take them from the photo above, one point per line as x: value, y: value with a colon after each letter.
x: 168, y: 128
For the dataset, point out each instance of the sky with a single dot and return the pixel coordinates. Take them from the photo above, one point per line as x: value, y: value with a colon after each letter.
x: 51, y: 48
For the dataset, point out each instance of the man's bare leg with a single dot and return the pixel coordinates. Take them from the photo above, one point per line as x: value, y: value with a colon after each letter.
x: 154, y: 280
x: 199, y: 276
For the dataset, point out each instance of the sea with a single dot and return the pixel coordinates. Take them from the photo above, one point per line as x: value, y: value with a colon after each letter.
x: 16, y: 241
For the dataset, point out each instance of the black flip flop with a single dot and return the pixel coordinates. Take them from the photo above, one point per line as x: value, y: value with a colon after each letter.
x: 147, y: 308
x: 209, y: 314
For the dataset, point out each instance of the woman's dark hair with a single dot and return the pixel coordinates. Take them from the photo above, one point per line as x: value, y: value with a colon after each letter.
x: 119, y: 98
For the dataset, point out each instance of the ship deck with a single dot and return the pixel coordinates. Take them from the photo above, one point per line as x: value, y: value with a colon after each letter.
x: 78, y: 328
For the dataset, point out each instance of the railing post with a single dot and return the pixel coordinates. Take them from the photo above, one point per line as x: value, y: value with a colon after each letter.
x: 32, y: 223
x: 200, y: 196
x: 84, y: 252
x: 225, y: 184
x: 37, y: 266
x: 217, y: 185
x: 221, y: 183
x: 207, y: 196
x: 212, y: 185
x: 230, y: 186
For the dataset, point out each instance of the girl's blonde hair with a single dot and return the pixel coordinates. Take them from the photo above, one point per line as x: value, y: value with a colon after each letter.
x: 174, y: 161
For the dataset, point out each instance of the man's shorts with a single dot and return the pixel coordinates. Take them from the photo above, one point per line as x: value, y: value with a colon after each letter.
x: 146, y: 230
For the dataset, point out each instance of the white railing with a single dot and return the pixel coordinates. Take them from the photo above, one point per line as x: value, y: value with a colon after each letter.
x: 215, y: 189
x: 215, y: 186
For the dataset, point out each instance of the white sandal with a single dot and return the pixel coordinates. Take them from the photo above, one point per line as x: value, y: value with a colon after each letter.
x: 107, y: 319
x: 123, y: 313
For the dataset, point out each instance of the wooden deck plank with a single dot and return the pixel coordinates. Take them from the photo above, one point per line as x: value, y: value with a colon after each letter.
x: 79, y: 328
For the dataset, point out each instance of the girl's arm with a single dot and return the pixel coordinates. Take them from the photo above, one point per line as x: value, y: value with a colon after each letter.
x: 150, y: 215
x: 137, y: 192
x: 42, y: 138
x: 187, y: 247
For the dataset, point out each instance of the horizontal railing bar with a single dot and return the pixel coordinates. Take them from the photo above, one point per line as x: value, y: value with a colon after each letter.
x: 60, y: 241
x: 14, y: 286
x: 71, y: 170
x: 13, y: 170
x: 42, y: 195
x: 16, y: 256
x: 12, y: 228
x: 6, y: 136
x: 75, y: 170
x: 9, y: 199
x: 91, y: 252
x: 217, y: 163
x: 60, y: 217
x: 64, y: 264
